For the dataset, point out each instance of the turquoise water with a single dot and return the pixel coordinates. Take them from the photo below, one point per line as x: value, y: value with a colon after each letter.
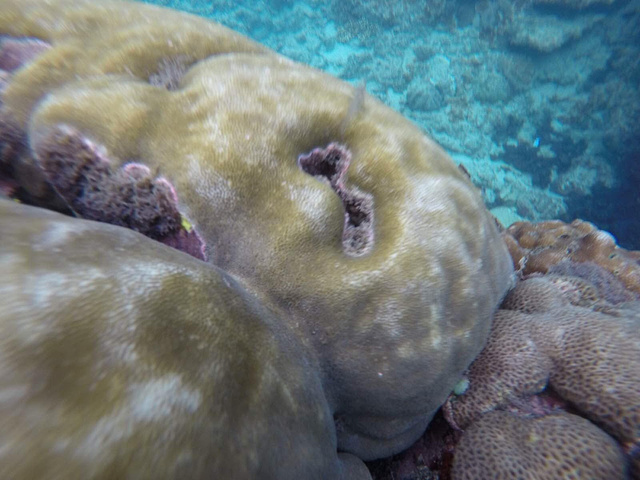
x: 538, y: 99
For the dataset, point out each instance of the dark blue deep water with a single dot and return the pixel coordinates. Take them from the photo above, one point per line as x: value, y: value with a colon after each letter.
x: 539, y: 99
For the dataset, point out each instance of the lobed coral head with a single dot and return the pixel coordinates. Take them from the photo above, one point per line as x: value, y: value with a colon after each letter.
x: 355, y: 231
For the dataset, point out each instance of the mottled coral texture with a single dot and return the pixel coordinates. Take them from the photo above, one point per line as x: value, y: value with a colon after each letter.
x: 536, y: 247
x: 566, y: 340
x: 504, y: 446
x: 351, y: 270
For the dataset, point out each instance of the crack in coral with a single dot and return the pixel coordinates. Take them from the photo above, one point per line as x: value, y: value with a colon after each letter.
x: 331, y: 164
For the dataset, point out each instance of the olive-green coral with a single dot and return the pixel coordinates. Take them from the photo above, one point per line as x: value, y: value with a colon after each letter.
x: 387, y: 325
x: 113, y: 368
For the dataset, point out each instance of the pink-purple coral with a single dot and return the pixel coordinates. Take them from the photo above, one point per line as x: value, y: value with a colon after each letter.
x: 129, y: 196
x: 14, y: 52
x: 331, y: 164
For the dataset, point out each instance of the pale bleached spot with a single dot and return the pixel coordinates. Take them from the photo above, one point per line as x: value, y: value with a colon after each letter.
x: 311, y: 203
x: 371, y: 276
x: 162, y: 397
x: 211, y: 186
x: 13, y: 394
x: 57, y: 235
x: 389, y: 318
x: 431, y: 195
x: 436, y: 340
x: 119, y: 348
x: 154, y: 400
x: 45, y: 299
x: 46, y: 288
x: 106, y: 431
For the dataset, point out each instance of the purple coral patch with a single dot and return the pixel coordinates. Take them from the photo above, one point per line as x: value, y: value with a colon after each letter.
x: 12, y: 145
x: 331, y: 164
x: 609, y: 287
x: 129, y: 196
x: 15, y: 52
x: 187, y: 241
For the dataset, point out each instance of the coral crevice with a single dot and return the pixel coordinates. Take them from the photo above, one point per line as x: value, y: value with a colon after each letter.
x: 331, y: 163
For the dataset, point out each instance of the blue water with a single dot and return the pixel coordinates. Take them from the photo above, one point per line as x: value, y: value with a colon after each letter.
x: 538, y: 99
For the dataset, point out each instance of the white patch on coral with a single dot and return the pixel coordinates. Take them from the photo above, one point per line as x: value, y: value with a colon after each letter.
x: 162, y: 397
x: 119, y: 347
x: 57, y: 235
x: 46, y: 294
x: 215, y: 136
x: 46, y: 288
x: 13, y: 394
x: 108, y: 430
x: 311, y: 203
x: 151, y: 401
x: 432, y: 196
x: 211, y: 186
x: 436, y: 340
x: 389, y: 317
x: 140, y: 279
x: 364, y: 278
x: 435, y: 321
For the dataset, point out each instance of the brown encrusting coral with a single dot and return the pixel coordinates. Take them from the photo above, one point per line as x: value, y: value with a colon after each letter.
x: 567, y: 337
x: 539, y: 339
x: 555, y: 393
x: 505, y: 446
x: 536, y: 247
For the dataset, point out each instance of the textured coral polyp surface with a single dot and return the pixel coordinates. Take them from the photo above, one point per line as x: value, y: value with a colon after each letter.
x: 384, y: 280
x: 566, y: 338
x: 503, y: 446
x: 538, y: 246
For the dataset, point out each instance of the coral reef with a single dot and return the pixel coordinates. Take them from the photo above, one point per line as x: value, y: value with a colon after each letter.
x: 351, y: 269
x: 568, y: 339
x: 554, y: 122
x: 556, y: 344
x: 564, y: 123
x: 504, y: 446
x: 115, y: 362
x: 537, y: 247
x: 555, y: 393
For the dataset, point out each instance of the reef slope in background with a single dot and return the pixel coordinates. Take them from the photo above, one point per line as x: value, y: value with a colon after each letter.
x: 538, y: 99
x: 338, y: 272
